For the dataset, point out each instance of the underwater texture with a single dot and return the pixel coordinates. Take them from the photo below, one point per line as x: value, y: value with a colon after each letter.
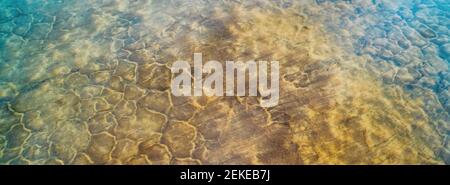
x: 88, y: 82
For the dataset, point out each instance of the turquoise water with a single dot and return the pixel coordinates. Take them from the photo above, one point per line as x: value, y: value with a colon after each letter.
x: 87, y: 82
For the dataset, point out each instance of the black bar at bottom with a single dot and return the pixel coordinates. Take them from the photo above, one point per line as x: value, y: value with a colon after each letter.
x: 234, y: 174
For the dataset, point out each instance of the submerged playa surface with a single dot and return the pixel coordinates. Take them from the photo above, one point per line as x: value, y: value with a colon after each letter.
x: 361, y: 82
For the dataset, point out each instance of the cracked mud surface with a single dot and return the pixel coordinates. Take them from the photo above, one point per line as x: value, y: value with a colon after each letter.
x: 88, y: 82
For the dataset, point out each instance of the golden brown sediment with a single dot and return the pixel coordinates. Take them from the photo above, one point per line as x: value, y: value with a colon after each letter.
x: 97, y: 89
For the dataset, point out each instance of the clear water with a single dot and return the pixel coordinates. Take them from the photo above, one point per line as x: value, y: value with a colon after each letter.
x: 86, y: 82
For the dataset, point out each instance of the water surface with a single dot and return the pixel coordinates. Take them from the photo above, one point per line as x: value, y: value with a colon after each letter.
x: 87, y: 82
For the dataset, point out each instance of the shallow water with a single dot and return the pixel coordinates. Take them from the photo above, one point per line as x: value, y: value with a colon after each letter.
x: 87, y: 82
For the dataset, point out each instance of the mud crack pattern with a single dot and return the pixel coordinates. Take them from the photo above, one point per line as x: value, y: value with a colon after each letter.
x: 88, y: 82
